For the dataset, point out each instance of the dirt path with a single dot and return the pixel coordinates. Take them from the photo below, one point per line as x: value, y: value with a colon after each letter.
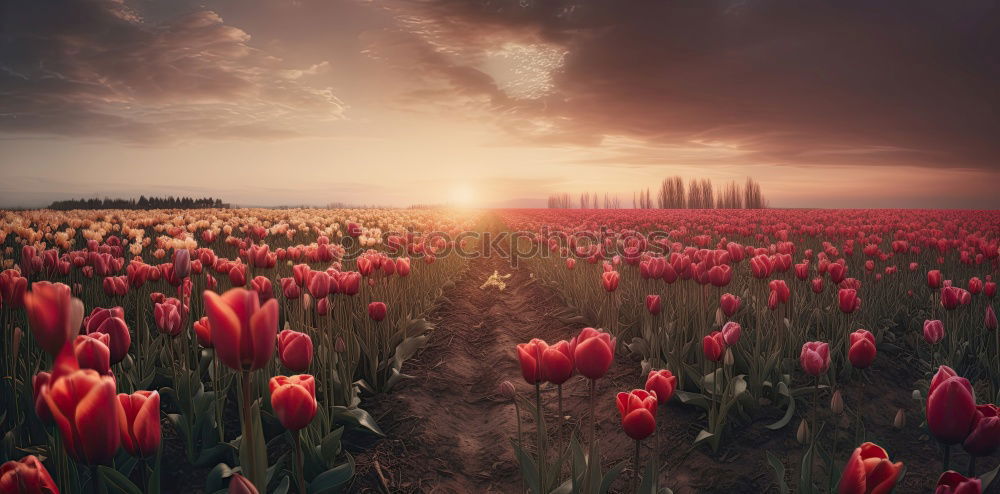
x: 448, y: 428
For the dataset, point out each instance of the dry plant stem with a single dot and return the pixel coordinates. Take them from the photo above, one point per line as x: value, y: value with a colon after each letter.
x: 520, y: 443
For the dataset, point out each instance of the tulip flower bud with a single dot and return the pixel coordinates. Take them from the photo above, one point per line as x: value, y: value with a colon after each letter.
x: 295, y: 350
x: 802, y: 435
x: 900, y: 420
x: 239, y: 484
x: 339, y: 345
x: 837, y: 403
x: 507, y: 390
x: 377, y: 311
x: 182, y: 263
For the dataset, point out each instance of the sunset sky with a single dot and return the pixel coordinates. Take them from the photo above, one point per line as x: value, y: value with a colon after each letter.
x: 855, y: 103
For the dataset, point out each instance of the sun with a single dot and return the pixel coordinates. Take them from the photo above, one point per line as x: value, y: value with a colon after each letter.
x: 463, y: 195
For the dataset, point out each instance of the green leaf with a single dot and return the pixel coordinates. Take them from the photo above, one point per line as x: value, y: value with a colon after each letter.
x: 529, y: 470
x: 805, y: 472
x: 988, y: 478
x: 694, y: 399
x: 282, y: 486
x: 610, y: 477
x: 779, y: 472
x: 332, y: 480
x: 789, y: 411
x: 356, y: 417
x: 116, y: 482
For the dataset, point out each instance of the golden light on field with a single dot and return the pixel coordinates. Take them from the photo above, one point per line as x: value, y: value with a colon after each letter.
x: 463, y: 196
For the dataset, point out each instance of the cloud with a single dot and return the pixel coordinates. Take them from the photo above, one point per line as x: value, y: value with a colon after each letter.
x: 96, y: 68
x: 784, y: 82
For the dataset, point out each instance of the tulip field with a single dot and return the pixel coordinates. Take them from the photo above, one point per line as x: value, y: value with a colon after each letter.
x: 543, y: 351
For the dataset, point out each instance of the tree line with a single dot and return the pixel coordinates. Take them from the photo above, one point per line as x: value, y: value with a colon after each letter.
x: 169, y: 202
x: 674, y: 194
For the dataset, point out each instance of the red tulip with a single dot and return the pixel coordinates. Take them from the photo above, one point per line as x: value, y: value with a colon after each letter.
x: 653, y: 304
x: 934, y: 279
x: 295, y: 350
x: 290, y: 289
x: 817, y: 285
x: 243, y: 331
x: 714, y: 346
x: 990, y: 289
x: 952, y: 297
x: 38, y: 382
x: 238, y: 274
x: 203, y: 331
x: 663, y: 383
x: 731, y: 333
x: 80, y: 401
x: 318, y: 284
x: 13, y: 287
x: 139, y: 418
x: 951, y: 406
x: 112, y: 323
x: 720, y: 275
x: 815, y: 357
x: 975, y: 285
x: 638, y: 410
x: 933, y: 331
x: 403, y: 267
x: 570, y: 263
x: 781, y: 289
x: 54, y: 315
x: 952, y: 482
x: 760, y: 266
x: 730, y: 304
x: 869, y: 471
x: 182, y: 263
x: 610, y: 280
x: 990, y: 320
x: 557, y: 363
x: 849, y: 300
x: 239, y: 484
x: 862, y: 349
x: 837, y: 272
x: 92, y: 352
x: 530, y: 357
x: 168, y: 317
x: 593, y: 352
x: 294, y: 400
x: 377, y: 311
x: 984, y: 438
x: 26, y: 476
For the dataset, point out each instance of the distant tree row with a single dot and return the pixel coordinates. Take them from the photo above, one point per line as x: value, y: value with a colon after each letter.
x: 588, y: 200
x: 169, y: 202
x: 672, y: 194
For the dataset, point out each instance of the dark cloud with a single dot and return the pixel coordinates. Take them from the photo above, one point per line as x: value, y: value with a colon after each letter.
x: 785, y: 81
x: 96, y: 68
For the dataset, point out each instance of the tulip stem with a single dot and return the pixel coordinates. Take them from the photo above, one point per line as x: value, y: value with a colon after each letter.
x: 300, y: 481
x: 249, y: 466
x: 972, y: 466
x: 540, y: 429
x: 635, y: 469
x: 947, y: 456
